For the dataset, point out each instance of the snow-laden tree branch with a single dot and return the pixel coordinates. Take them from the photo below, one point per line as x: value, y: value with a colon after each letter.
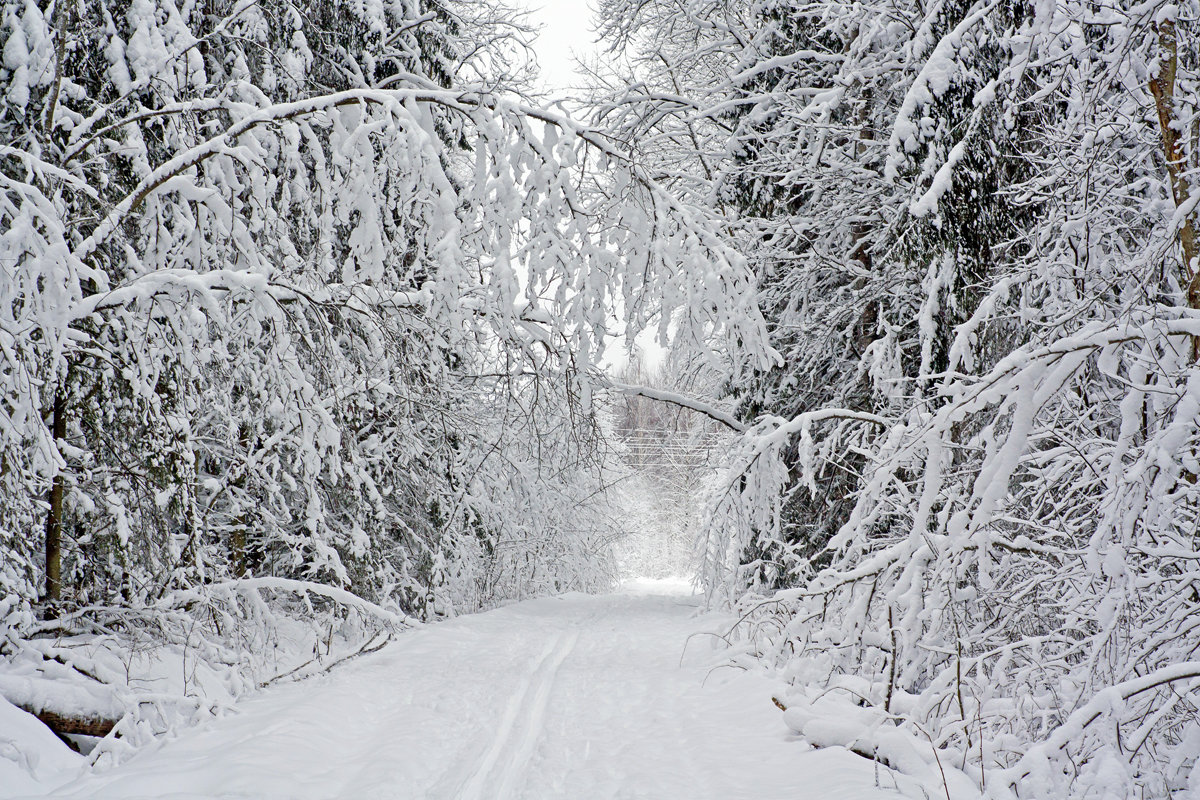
x: 301, y: 295
x: 967, y: 221
x: 682, y: 401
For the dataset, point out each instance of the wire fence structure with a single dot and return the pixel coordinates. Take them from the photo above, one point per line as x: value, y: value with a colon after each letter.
x: 656, y: 449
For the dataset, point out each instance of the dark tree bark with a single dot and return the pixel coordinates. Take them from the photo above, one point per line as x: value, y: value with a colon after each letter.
x: 54, y: 517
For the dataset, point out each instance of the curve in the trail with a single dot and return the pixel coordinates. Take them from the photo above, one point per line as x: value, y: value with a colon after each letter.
x: 518, y: 739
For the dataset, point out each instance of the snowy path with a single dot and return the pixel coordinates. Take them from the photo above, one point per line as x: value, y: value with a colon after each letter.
x: 571, y: 697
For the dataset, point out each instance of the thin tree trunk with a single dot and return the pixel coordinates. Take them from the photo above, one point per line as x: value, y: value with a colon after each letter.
x: 54, y: 517
x: 1163, y: 88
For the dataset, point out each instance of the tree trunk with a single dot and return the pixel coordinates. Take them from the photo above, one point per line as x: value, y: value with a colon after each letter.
x: 54, y: 517
x: 1162, y: 87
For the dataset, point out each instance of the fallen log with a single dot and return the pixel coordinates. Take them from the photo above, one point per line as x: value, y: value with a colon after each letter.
x: 62, y: 724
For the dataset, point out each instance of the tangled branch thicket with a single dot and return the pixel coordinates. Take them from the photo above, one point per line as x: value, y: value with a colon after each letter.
x: 968, y: 503
x: 306, y: 292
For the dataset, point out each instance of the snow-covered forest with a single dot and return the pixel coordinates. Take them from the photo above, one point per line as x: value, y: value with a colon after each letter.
x: 319, y: 322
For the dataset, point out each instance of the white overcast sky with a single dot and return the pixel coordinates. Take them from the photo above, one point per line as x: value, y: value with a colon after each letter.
x: 566, y: 30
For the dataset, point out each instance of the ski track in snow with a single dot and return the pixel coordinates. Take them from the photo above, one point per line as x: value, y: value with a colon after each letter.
x: 527, y: 734
x: 575, y: 697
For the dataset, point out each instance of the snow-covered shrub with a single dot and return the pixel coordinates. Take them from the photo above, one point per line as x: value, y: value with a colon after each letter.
x: 1017, y: 588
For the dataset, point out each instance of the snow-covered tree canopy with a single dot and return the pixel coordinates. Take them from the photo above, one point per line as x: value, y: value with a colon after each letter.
x: 302, y: 290
x: 307, y: 295
x: 974, y: 477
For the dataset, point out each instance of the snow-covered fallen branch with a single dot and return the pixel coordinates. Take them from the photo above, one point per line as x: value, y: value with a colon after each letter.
x: 287, y: 586
x: 676, y: 399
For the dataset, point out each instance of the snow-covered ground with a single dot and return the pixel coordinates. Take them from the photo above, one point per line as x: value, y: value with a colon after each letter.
x: 568, y: 697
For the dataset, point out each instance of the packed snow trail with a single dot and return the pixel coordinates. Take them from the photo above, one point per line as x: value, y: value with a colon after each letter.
x: 573, y: 697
